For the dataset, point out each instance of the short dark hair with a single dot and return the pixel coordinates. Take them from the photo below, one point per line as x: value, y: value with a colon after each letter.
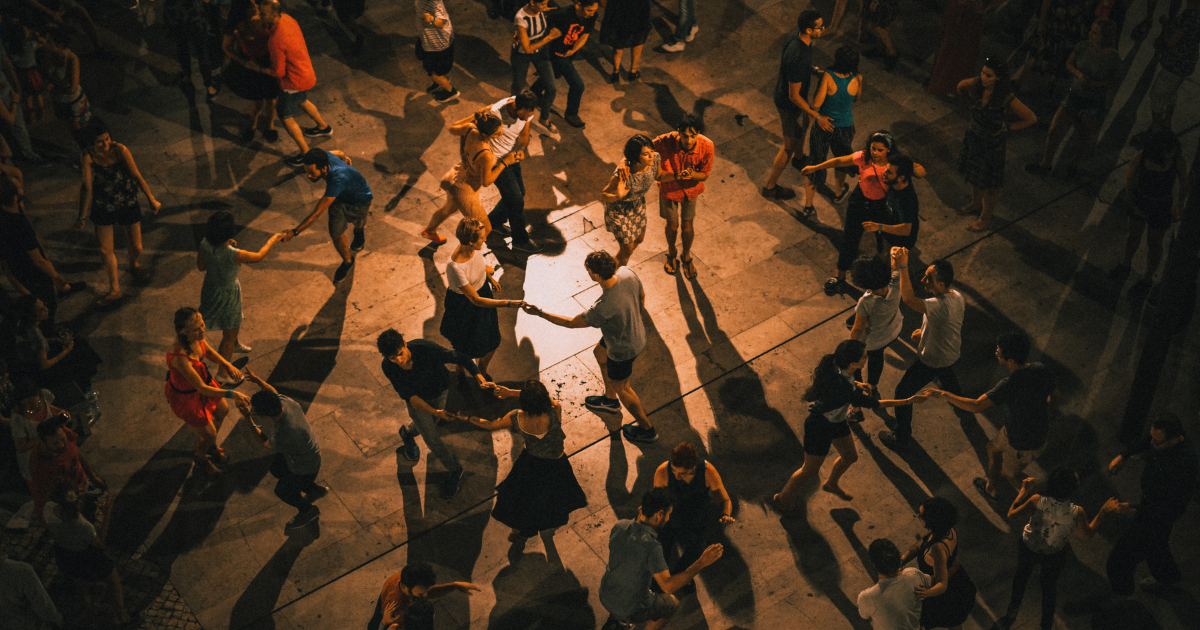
x: 535, y: 399
x: 690, y: 121
x: 685, y: 456
x: 1168, y: 423
x: 845, y: 60
x: 601, y: 263
x: 1061, y: 483
x: 219, y: 228
x: 1015, y: 346
x: 50, y: 426
x: 389, y: 343
x: 88, y: 133
x: 884, y: 556
x: 317, y: 157
x: 940, y: 516
x: 654, y: 501
x: 526, y: 100
x: 266, y: 403
x: 419, y: 615
x: 945, y: 271
x: 418, y: 574
x: 8, y: 191
x: 633, y: 147
x: 808, y: 19
x: 904, y: 165
x: 871, y: 273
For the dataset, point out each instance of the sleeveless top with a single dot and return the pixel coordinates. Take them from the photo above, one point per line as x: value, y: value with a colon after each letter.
x: 179, y: 384
x: 839, y: 105
x: 690, y: 499
x: 1051, y: 526
x: 550, y: 445
x: 987, y: 119
x: 1156, y: 185
x: 468, y: 173
x: 113, y: 187
x: 926, y: 545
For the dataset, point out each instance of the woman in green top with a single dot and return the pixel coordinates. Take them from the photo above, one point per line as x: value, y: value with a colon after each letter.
x: 221, y: 295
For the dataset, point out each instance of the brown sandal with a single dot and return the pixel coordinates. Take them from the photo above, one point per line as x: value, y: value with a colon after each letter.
x: 671, y: 266
x: 689, y: 268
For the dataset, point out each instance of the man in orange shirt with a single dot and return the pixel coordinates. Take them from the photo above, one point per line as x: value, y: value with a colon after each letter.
x: 415, y: 583
x: 291, y: 65
x: 687, y: 160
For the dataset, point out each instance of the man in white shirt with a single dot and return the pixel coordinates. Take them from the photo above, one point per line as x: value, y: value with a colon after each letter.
x: 515, y: 113
x: 892, y: 604
x: 939, y: 340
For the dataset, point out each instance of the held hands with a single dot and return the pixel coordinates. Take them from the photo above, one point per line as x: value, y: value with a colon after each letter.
x: 932, y: 392
x: 872, y: 226
x: 467, y: 587
x: 531, y: 309
x: 429, y: 19
x: 686, y: 173
x: 289, y: 235
x: 900, y: 255
x: 517, y: 156
x: 808, y: 170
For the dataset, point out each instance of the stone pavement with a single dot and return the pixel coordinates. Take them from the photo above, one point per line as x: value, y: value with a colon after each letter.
x: 728, y: 354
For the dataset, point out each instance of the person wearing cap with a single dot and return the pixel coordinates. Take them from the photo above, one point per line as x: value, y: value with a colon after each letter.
x: 347, y: 198
x: 56, y: 457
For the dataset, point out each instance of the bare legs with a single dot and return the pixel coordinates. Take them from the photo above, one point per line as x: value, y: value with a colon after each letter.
x: 452, y: 205
x: 635, y: 58
x: 810, y: 189
x: 811, y: 469
x: 781, y: 161
x: 1154, y: 246
x: 626, y: 251
x: 258, y: 109
x: 685, y: 240
x: 442, y: 82
x: 206, y: 436
x: 485, y: 361
x: 293, y: 128
x: 229, y: 340
x: 133, y: 236
x: 985, y: 201
x: 1085, y: 127
x: 622, y: 391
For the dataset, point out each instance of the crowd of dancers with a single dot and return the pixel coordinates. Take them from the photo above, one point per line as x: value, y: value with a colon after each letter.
x: 654, y: 557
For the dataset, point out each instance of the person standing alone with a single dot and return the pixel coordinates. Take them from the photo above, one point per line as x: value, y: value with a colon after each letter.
x: 686, y: 159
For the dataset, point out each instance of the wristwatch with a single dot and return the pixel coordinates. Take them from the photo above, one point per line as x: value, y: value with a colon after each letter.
x: 295, y: 233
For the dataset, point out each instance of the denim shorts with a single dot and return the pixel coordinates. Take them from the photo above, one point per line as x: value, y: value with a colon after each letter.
x: 289, y: 102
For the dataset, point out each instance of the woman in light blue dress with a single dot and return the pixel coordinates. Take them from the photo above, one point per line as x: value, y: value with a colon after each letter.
x: 221, y: 295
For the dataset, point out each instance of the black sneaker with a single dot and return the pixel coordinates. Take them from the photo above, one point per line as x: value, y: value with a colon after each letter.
x: 410, y: 450
x: 451, y: 484
x: 833, y: 286
x: 442, y: 96
x: 638, y: 435
x: 343, y: 270
x: 602, y: 403
x: 575, y: 121
x: 360, y: 240
x: 271, y: 135
x: 317, y: 131
x: 529, y: 248
x: 248, y: 134
x: 317, y: 494
x: 303, y: 518
x: 295, y: 160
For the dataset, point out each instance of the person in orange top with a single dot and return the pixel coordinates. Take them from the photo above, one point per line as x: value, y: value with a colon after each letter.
x: 687, y: 160
x: 413, y: 584
x: 291, y: 65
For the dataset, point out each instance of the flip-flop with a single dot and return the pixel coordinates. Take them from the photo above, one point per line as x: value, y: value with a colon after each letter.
x: 671, y: 265
x: 689, y: 268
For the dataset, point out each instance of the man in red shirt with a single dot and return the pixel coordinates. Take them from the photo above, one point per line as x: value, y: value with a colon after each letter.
x: 291, y: 65
x: 687, y: 160
x: 55, y: 458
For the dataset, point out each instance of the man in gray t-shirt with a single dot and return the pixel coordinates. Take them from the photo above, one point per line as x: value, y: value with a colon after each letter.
x: 297, y: 454
x: 618, y: 315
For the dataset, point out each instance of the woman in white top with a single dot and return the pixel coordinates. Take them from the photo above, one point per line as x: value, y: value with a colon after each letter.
x: 470, y: 321
x: 1052, y: 521
x: 877, y: 320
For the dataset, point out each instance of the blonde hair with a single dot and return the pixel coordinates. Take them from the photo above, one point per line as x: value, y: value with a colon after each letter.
x: 469, y: 231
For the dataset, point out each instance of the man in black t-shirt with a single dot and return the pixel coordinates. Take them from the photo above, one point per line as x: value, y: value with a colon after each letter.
x: 24, y: 260
x: 791, y: 98
x: 900, y: 227
x: 572, y: 25
x: 1026, y: 395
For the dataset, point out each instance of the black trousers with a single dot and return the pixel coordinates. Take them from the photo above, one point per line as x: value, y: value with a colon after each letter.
x: 193, y: 39
x: 1052, y: 565
x: 1148, y: 538
x: 682, y: 546
x: 291, y: 487
x: 874, y: 366
x: 859, y: 209
x: 511, y: 208
x: 914, y: 379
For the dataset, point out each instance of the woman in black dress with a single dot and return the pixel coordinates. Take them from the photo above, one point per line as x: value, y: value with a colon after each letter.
x: 626, y: 25
x: 470, y: 321
x: 985, y: 144
x: 540, y: 491
x: 949, y: 600
x: 693, y: 483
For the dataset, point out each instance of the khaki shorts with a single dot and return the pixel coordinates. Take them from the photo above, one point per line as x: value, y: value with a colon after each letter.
x: 672, y: 211
x: 342, y: 214
x: 664, y: 606
x: 1015, y: 462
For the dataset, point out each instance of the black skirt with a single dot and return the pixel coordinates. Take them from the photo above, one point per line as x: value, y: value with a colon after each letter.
x: 952, y: 607
x: 472, y: 330
x: 89, y: 565
x: 251, y: 85
x: 538, y: 494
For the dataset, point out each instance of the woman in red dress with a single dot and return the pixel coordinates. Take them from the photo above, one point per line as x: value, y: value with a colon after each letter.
x: 191, y: 391
x: 958, y: 50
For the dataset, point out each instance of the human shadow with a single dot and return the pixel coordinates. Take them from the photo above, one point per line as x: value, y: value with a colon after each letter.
x: 533, y: 592
x: 816, y: 561
x: 254, y: 606
x: 407, y: 137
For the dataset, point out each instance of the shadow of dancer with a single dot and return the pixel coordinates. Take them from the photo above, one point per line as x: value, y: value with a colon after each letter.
x: 817, y: 563
x: 254, y: 607
x: 535, y: 592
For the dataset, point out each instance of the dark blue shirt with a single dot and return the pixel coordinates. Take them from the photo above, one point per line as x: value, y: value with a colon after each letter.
x: 345, y: 184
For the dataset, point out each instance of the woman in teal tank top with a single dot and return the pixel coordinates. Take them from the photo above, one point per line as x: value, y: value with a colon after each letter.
x: 834, y: 101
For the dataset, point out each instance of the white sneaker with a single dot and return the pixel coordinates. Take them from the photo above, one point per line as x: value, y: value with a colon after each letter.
x: 692, y: 34
x: 241, y: 347
x: 672, y: 48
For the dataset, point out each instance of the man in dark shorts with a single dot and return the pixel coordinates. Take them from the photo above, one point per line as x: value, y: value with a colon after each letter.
x: 791, y: 98
x: 23, y: 258
x: 1026, y: 394
x: 904, y: 219
x: 573, y: 24
x: 618, y: 315
x: 291, y: 64
x: 435, y: 47
x: 635, y: 560
x: 347, y: 198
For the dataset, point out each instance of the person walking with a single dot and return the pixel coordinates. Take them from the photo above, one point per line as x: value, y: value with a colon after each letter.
x: 1044, y: 540
x: 796, y: 71
x: 832, y: 392
x: 618, y: 315
x: 22, y: 256
x: 189, y: 29
x: 477, y: 167
x: 624, y: 196
x: 949, y: 599
x: 470, y: 322
x: 635, y: 560
x: 417, y: 371
x: 1177, y: 60
x: 290, y: 64
x: 939, y: 339
x: 892, y: 603
x: 347, y: 199
x: 626, y: 25
x: 574, y: 25
x: 1152, y: 205
x: 1168, y: 484
x: 61, y: 70
x: 540, y: 491
x: 108, y: 194
x: 297, y: 460
x: 435, y: 48
x: 692, y: 483
x: 685, y: 28
x: 245, y: 47
x: 191, y: 391
x: 508, y: 217
x: 686, y: 160
x: 221, y: 293
x: 531, y: 36
x: 1026, y: 395
x: 834, y: 101
x: 985, y: 144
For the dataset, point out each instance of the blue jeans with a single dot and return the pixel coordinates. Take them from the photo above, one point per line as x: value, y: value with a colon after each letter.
x: 565, y: 67
x: 687, y: 19
x: 544, y: 86
x: 512, y: 203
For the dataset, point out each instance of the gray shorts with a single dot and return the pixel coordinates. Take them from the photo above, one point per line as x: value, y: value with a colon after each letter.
x: 663, y: 607
x: 341, y: 214
x: 1164, y: 91
x: 673, y: 211
x: 794, y: 122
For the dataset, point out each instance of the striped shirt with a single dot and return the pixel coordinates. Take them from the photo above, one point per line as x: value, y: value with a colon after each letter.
x: 535, y: 25
x: 434, y: 39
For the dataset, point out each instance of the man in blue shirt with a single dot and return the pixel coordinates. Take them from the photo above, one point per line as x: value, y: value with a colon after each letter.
x: 347, y: 198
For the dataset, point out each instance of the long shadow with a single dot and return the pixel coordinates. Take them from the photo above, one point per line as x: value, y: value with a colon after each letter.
x: 533, y: 592
x: 406, y: 137
x: 253, y: 608
x: 818, y: 564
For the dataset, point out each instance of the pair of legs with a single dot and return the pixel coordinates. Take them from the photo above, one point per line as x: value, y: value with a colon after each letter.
x: 874, y: 367
x: 820, y: 143
x: 190, y: 40
x: 1085, y: 123
x: 916, y: 378
x: 795, y: 125
x: 258, y: 109
x: 811, y: 469
x: 1147, y: 539
x: 679, y: 214
x: 620, y: 390
x: 511, y: 208
x: 20, y: 135
x: 425, y: 425
x: 625, y: 250
x: 293, y: 128
x: 341, y: 216
x: 459, y: 198
x: 859, y: 209
x: 292, y: 487
x: 999, y: 453
x: 1154, y: 245
x: 565, y: 67
x: 983, y: 201
x: 683, y: 545
x: 544, y: 87
x: 1052, y: 566
x: 635, y: 62
x: 133, y: 247
x: 206, y: 437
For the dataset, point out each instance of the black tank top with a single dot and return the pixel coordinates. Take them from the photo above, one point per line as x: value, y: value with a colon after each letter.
x: 690, y: 499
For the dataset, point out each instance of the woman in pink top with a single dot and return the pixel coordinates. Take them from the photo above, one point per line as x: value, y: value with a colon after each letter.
x: 868, y: 202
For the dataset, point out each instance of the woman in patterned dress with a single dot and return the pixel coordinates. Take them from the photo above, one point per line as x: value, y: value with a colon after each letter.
x: 625, y: 195
x: 985, y: 144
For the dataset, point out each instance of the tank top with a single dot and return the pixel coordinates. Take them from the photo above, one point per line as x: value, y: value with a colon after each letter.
x: 840, y: 105
x: 468, y: 172
x: 690, y: 499
x: 550, y: 444
x: 1051, y: 526
x: 1156, y: 185
x: 113, y: 186
x: 926, y: 545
